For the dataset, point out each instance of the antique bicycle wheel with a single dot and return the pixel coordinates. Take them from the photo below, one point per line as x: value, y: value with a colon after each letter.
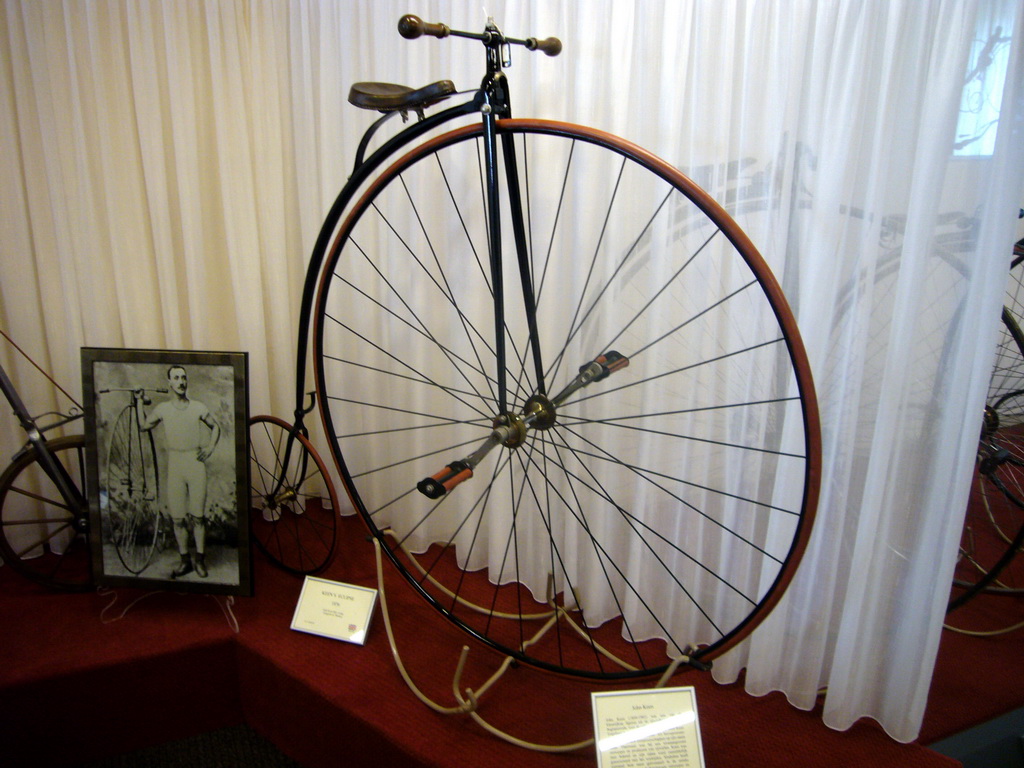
x: 993, y: 534
x: 41, y: 533
x: 293, y: 506
x: 132, y: 492
x: 994, y: 524
x: 658, y: 510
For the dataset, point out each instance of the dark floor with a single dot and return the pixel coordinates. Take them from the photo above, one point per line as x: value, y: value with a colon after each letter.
x: 227, y: 747
x: 998, y: 743
x: 994, y: 745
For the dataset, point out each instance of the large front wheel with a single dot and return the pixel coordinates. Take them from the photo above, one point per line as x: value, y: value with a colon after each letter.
x: 650, y: 488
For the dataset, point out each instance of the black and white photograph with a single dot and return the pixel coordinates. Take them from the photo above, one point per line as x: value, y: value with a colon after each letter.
x: 168, y: 470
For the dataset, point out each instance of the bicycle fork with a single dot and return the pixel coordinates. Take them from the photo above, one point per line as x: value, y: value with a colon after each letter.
x: 539, y: 412
x: 496, y: 105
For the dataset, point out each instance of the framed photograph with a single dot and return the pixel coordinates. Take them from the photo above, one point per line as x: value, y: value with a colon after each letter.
x: 168, y: 469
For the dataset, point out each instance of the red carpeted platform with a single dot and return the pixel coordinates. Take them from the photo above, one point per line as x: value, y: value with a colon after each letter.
x: 74, y: 688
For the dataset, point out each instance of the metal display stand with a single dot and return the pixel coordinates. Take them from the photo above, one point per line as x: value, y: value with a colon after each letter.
x: 109, y: 616
x: 468, y: 700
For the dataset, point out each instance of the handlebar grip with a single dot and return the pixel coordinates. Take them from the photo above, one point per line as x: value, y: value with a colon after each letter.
x: 410, y: 27
x: 550, y: 46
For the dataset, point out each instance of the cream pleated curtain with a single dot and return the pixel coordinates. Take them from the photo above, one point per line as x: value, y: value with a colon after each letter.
x: 167, y: 166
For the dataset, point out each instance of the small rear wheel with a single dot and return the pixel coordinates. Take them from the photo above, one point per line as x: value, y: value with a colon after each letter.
x: 293, y: 506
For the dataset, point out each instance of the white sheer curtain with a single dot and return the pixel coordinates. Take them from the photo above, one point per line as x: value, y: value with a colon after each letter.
x: 167, y: 167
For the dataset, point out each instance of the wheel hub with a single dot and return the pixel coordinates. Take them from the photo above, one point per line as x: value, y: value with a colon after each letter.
x: 540, y: 412
x: 514, y: 428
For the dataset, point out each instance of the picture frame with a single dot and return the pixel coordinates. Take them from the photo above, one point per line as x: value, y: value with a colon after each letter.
x: 167, y: 469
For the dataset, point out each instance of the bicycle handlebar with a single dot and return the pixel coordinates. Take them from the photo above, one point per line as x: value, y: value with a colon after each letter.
x: 133, y: 389
x: 411, y: 27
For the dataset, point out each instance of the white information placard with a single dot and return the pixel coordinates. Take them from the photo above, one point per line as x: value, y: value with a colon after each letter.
x: 333, y: 609
x: 655, y: 728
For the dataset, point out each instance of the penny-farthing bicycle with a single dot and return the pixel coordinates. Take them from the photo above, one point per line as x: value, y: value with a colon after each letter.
x: 994, y: 526
x: 131, y: 500
x: 44, y: 513
x: 561, y: 386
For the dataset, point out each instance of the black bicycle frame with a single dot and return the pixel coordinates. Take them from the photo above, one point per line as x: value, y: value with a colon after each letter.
x: 36, y: 442
x: 491, y: 100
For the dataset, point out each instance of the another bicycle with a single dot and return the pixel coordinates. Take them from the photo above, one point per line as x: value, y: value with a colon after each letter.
x: 293, y: 505
x: 560, y: 384
x: 130, y: 504
x: 44, y: 511
x: 44, y: 514
x: 994, y: 526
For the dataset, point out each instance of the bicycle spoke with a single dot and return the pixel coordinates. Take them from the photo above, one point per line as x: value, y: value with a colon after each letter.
x: 424, y: 329
x: 647, y: 474
x: 395, y: 375
x: 445, y: 450
x: 399, y: 361
x: 602, y: 552
x: 36, y: 543
x: 49, y: 501
x: 611, y: 390
x: 557, y: 218
x: 577, y: 323
x: 556, y: 557
x: 633, y: 521
x: 617, y: 422
x: 469, y: 331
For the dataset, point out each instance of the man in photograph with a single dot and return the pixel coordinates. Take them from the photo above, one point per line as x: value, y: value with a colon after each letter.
x: 190, y: 436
